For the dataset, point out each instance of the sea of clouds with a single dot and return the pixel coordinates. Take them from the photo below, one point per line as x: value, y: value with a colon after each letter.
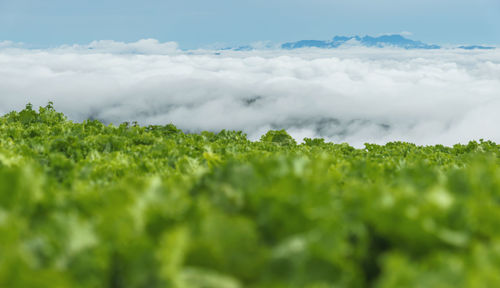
x: 353, y: 95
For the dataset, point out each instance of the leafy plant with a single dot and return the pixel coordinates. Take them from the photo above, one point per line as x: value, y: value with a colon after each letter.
x: 90, y: 205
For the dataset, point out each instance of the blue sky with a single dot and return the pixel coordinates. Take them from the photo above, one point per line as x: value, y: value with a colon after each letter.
x: 199, y: 23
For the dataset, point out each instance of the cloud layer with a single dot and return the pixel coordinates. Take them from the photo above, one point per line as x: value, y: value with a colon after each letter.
x: 353, y: 95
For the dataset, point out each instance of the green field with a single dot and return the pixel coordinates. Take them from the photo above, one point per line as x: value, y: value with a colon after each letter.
x: 90, y: 205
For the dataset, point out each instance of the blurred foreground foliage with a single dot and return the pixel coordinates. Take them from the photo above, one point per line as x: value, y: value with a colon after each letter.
x: 90, y: 205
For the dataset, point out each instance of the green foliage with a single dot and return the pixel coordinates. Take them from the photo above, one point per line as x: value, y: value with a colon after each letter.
x: 90, y: 205
x: 278, y: 137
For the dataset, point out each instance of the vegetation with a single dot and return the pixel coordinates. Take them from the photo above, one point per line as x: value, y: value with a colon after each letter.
x: 90, y: 205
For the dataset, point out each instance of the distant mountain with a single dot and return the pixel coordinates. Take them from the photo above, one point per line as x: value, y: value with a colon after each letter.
x: 239, y: 48
x: 478, y: 47
x: 394, y: 40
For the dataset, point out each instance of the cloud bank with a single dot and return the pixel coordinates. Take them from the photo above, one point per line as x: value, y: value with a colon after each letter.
x: 353, y: 95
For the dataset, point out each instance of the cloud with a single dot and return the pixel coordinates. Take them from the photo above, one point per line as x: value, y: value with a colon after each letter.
x: 10, y: 45
x: 353, y: 95
x: 402, y: 33
x: 144, y: 46
x: 4, y: 44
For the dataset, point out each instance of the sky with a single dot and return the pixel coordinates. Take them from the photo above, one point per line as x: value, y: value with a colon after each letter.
x: 200, y: 23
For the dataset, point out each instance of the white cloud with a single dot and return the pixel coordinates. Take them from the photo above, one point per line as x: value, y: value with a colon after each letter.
x: 356, y: 95
x: 10, y: 45
x: 4, y: 44
x: 402, y: 33
x: 144, y: 46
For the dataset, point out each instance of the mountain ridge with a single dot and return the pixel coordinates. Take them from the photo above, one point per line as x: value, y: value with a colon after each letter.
x: 393, y: 40
x: 339, y: 41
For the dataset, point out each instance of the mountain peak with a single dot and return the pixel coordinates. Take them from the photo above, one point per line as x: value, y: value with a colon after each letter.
x: 382, y: 41
x: 393, y: 40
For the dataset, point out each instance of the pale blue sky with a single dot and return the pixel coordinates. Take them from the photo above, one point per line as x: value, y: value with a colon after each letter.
x: 198, y: 23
